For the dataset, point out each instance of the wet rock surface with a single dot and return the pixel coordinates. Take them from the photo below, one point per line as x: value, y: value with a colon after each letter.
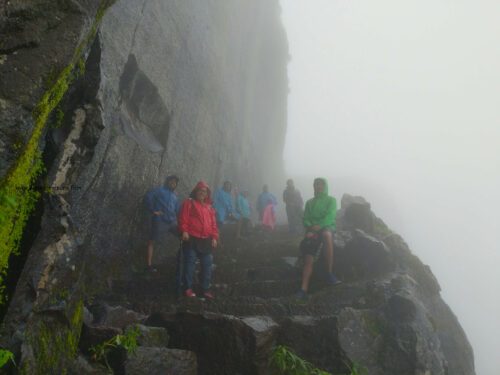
x: 383, y: 318
x: 388, y: 318
x: 161, y: 361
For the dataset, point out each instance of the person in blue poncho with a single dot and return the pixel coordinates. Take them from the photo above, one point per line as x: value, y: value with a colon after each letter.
x: 164, y: 207
x: 243, y: 208
x: 263, y: 200
x: 223, y: 204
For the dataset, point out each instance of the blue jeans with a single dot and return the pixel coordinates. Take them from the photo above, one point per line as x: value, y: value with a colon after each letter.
x: 206, y: 260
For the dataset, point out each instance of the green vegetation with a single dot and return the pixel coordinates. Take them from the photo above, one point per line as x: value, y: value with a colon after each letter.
x: 80, y: 68
x: 126, y: 341
x: 53, y: 344
x: 375, y: 326
x: 356, y: 369
x: 51, y: 78
x: 17, y: 193
x: 59, y: 116
x: 285, y: 362
x: 6, y: 356
x: 379, y: 228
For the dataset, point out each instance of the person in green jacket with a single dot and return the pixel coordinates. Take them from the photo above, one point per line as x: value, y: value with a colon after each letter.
x: 319, y: 221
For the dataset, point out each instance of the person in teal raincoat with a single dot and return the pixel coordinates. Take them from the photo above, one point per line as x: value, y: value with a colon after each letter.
x: 243, y: 208
x: 223, y: 204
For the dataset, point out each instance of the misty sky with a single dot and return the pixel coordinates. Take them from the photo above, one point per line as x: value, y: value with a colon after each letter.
x: 398, y: 101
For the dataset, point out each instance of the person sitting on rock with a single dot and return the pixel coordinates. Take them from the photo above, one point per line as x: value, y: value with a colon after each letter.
x: 223, y: 204
x: 164, y: 207
x: 243, y: 208
x: 319, y: 221
x: 263, y: 200
x: 294, y: 206
x: 199, y: 235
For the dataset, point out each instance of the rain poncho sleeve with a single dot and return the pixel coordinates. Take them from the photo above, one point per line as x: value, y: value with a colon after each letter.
x: 243, y: 206
x: 161, y: 199
x: 269, y: 216
x: 148, y: 200
x: 223, y: 205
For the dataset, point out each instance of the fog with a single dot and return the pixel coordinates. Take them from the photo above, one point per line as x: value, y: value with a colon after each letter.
x: 398, y: 101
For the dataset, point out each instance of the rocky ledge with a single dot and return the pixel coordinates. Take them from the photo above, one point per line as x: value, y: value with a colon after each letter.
x: 386, y: 316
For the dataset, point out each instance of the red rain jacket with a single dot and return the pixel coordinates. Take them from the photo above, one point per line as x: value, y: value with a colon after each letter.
x: 196, y: 218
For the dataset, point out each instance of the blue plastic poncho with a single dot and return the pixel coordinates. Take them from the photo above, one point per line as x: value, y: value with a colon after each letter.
x: 164, y: 200
x: 243, y: 206
x: 223, y: 205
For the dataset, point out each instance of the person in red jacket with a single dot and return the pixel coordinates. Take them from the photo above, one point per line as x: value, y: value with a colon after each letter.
x: 199, y: 235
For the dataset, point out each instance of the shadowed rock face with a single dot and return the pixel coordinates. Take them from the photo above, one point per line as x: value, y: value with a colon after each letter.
x: 144, y: 115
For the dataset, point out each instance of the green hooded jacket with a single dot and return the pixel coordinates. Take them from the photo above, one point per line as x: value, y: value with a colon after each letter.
x: 321, y: 210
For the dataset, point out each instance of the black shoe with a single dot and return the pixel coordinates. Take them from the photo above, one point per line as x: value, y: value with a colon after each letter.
x: 333, y: 279
x: 150, y: 269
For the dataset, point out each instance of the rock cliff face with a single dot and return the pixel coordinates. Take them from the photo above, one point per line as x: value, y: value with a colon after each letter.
x: 116, y: 96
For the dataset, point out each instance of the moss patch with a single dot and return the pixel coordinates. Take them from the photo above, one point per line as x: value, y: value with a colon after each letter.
x: 17, y: 193
x: 54, y: 343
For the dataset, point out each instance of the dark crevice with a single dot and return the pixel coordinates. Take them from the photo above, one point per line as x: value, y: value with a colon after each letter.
x: 145, y: 117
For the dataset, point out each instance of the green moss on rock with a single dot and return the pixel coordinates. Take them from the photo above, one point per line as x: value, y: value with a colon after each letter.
x: 54, y: 343
x: 17, y: 193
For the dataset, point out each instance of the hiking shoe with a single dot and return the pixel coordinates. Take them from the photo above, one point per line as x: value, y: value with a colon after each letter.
x: 190, y: 293
x: 150, y: 269
x: 333, y: 279
x: 208, y: 295
x: 301, y: 294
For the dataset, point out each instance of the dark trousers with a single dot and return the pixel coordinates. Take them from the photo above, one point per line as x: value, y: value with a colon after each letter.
x: 294, y: 215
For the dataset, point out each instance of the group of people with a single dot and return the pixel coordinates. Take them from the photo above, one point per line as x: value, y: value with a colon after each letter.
x: 198, y: 220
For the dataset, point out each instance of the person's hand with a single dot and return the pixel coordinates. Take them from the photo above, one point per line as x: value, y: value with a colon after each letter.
x: 214, y: 242
x: 231, y: 214
x: 316, y: 228
x: 158, y: 213
x: 309, y: 235
x: 185, y: 236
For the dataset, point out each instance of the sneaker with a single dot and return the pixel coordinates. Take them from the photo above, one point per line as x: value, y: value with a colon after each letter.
x: 150, y: 269
x: 190, y: 293
x: 301, y: 294
x: 208, y: 295
x: 333, y: 279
